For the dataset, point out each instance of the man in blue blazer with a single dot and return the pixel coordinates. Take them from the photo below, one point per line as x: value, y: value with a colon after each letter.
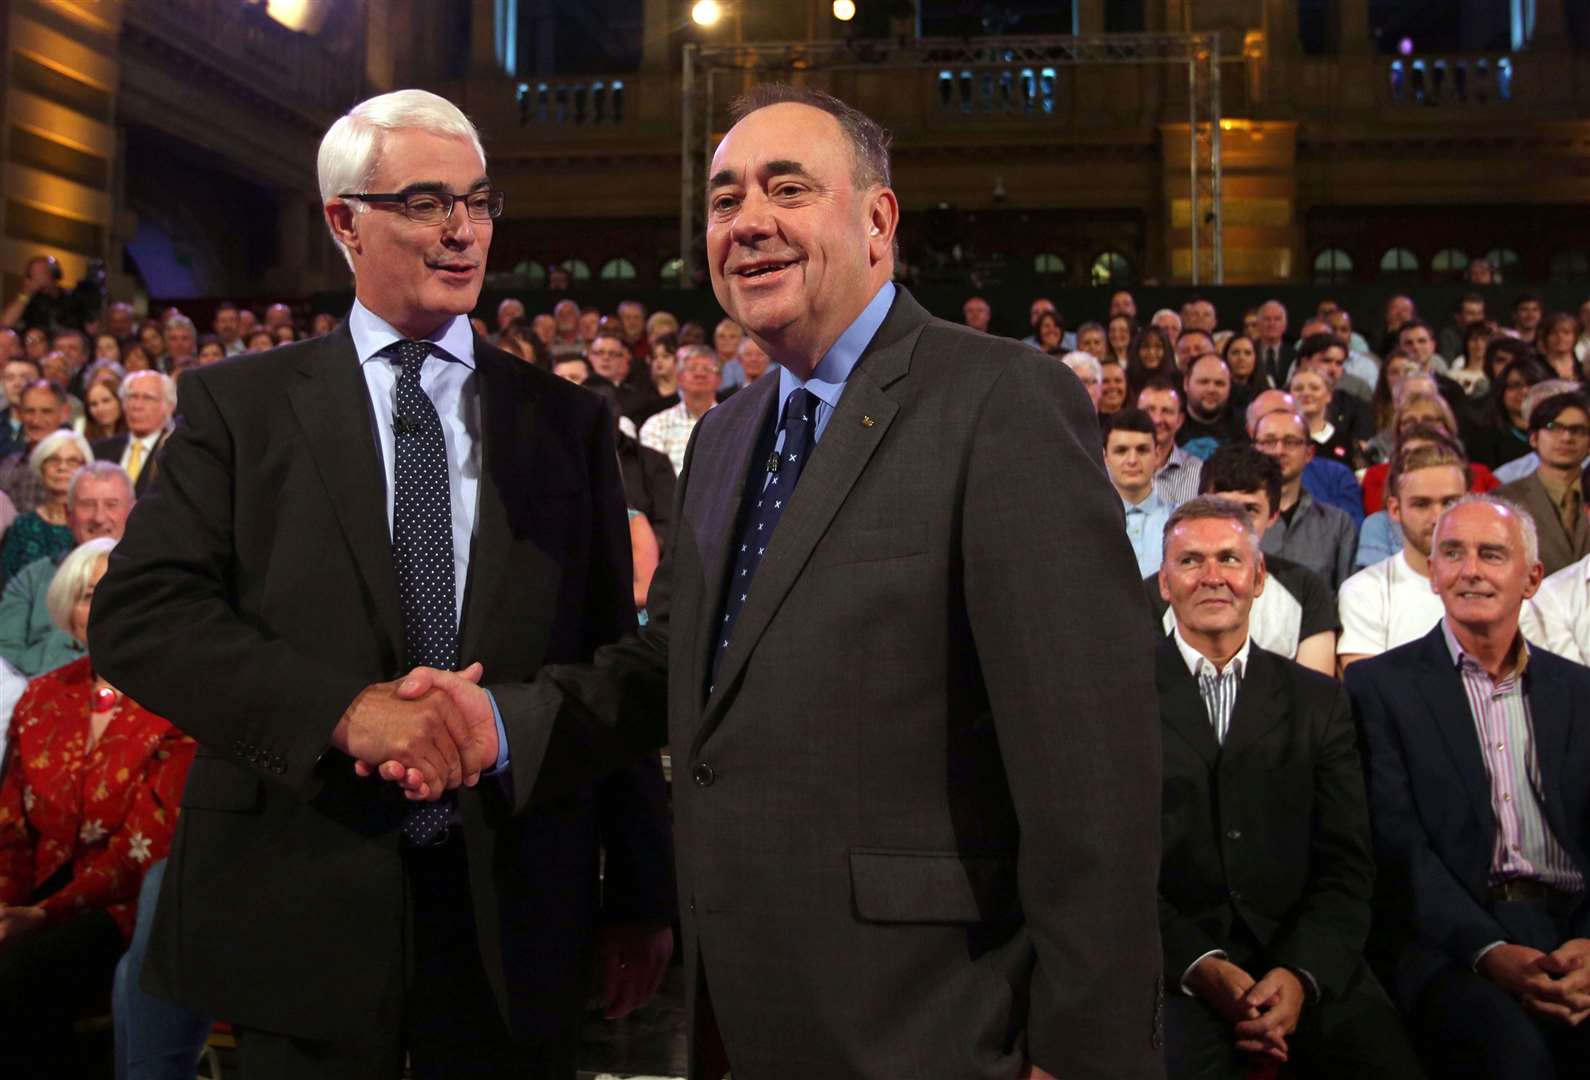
x: 1479, y: 790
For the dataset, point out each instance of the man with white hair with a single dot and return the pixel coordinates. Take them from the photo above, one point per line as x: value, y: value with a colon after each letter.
x: 182, y: 340
x: 1086, y: 367
x: 329, y: 515
x: 148, y: 400
x: 1169, y: 322
x: 507, y: 311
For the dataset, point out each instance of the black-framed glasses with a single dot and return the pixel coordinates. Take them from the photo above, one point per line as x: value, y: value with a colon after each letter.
x: 1572, y: 431
x: 435, y: 207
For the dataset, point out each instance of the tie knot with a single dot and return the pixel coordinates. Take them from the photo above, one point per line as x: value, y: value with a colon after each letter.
x: 411, y: 354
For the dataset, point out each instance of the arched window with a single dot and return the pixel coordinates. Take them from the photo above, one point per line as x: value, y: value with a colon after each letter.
x: 1503, y: 259
x: 1333, y: 266
x: 1449, y: 261
x: 1399, y: 261
x: 1047, y: 262
x: 618, y: 270
x: 671, y: 269
x: 579, y: 269
x: 1570, y: 266
x: 533, y: 272
x: 1111, y: 268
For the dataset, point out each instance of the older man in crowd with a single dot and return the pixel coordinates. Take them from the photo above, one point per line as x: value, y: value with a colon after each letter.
x: 700, y: 376
x: 97, y: 505
x: 1175, y: 470
x: 149, y: 398
x: 1479, y: 787
x: 1085, y: 366
x: 1275, y: 351
x: 1265, y: 884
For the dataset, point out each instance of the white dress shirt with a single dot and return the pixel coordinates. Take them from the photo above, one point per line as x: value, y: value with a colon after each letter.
x: 1558, y: 616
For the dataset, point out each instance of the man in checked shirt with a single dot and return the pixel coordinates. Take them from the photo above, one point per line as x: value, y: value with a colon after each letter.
x: 1479, y: 791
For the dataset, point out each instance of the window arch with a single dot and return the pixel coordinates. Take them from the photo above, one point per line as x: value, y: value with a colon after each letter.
x: 671, y: 270
x: 1570, y: 266
x: 1110, y: 268
x: 1333, y: 266
x: 533, y: 272
x: 1047, y: 262
x: 1399, y: 260
x: 620, y: 269
x: 579, y: 269
x: 1449, y: 261
x: 1502, y: 258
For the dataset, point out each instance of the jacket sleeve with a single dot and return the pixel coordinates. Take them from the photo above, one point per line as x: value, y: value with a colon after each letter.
x: 637, y: 844
x: 16, y: 840
x: 1326, y: 931
x: 165, y: 628
x: 1081, y: 753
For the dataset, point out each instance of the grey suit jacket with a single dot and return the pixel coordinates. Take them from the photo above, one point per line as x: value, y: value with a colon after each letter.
x: 919, y: 814
x: 1558, y: 546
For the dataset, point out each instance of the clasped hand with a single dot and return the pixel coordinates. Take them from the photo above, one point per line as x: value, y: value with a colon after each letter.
x: 428, y: 732
x: 1554, y: 985
x: 1262, y: 1012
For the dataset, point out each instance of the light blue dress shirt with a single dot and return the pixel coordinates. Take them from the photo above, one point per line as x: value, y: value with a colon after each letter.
x: 833, y: 370
x: 1145, y: 528
x: 448, y: 377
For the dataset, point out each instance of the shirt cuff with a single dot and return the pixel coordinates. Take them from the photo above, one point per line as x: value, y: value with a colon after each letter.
x: 502, y: 738
x: 1310, y: 983
x: 1221, y: 953
x: 1474, y: 965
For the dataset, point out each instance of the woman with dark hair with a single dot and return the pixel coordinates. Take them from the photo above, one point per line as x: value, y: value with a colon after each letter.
x: 1050, y: 334
x: 1248, y: 379
x: 1118, y: 335
x: 1559, y: 331
x: 1469, y: 369
x: 1150, y: 355
x: 1503, y: 433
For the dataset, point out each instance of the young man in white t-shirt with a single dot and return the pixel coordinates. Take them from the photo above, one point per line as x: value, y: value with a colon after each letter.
x: 1390, y: 603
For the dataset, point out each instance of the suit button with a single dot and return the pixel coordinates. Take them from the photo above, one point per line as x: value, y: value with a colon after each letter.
x: 1233, y: 834
x: 702, y: 774
x: 1236, y: 894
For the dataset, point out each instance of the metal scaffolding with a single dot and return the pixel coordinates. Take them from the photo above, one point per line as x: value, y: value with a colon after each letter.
x: 1199, y: 53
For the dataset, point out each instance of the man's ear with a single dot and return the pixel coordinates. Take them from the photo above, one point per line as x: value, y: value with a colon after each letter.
x: 343, y: 219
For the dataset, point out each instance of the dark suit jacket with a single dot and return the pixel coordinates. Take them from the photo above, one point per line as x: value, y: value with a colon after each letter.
x: 918, y: 831
x: 111, y: 449
x: 1271, y: 830
x: 1558, y: 546
x: 648, y: 484
x: 1430, y: 801
x: 254, y: 596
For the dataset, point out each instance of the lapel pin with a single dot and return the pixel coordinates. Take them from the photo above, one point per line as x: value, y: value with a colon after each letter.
x: 867, y: 421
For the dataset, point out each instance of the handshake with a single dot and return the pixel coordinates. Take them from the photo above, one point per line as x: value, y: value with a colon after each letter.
x: 428, y: 732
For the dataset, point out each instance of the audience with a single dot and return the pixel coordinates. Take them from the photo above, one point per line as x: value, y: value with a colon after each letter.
x: 44, y: 532
x: 1553, y: 495
x: 1558, y: 616
x: 1309, y: 532
x: 1175, y: 470
x: 43, y: 410
x: 700, y: 377
x: 1129, y: 458
x: 1267, y: 874
x: 149, y: 399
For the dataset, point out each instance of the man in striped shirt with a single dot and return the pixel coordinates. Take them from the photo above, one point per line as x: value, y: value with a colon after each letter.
x: 1479, y: 758
x: 1267, y: 873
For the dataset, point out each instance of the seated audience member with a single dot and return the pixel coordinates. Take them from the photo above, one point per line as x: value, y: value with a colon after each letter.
x: 1119, y: 332
x: 149, y: 399
x: 700, y: 375
x: 88, y: 800
x: 104, y: 416
x: 659, y: 323
x: 1479, y: 789
x: 1122, y: 302
x: 1311, y: 389
x: 1267, y: 873
x: 753, y: 363
x: 1383, y: 403
x: 644, y: 556
x: 1380, y: 537
x: 16, y: 375
x: 44, y: 410
x: 1190, y: 346
x: 1151, y: 355
x: 610, y: 359
x: 663, y: 388
x: 726, y: 338
x: 574, y: 369
x: 1320, y: 537
x: 1419, y: 412
x: 1558, y: 332
x: 1175, y: 470
x: 1048, y: 334
x: 1248, y: 378
x: 1212, y: 421
x: 1347, y: 410
x: 1329, y: 482
x: 1167, y: 322
x: 1129, y: 458
x: 1361, y: 365
x: 1085, y: 366
x: 98, y: 500
x: 45, y: 532
x: 1294, y: 616
x: 1502, y: 432
x: 1112, y: 387
x: 257, y: 340
x: 1391, y: 603
x: 1090, y: 339
x: 977, y: 313
x: 1521, y: 467
x: 1558, y: 616
x: 1559, y: 430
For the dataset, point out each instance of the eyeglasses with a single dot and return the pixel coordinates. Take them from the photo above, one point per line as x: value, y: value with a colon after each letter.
x: 1572, y: 431
x: 1275, y: 442
x: 435, y: 207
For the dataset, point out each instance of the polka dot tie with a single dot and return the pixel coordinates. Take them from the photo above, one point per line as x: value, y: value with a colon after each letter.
x: 422, y: 548
x: 800, y: 436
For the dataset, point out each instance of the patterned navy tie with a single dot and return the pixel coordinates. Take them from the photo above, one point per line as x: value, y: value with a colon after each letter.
x: 785, y: 464
x: 422, y: 548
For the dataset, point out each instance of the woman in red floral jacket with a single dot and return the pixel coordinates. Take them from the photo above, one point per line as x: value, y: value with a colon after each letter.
x: 88, y: 801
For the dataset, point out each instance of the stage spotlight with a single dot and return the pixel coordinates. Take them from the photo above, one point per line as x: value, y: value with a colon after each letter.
x: 844, y: 10
x: 706, y: 12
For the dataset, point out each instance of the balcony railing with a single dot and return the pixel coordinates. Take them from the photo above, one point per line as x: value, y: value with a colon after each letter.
x: 571, y: 103
x: 1451, y: 80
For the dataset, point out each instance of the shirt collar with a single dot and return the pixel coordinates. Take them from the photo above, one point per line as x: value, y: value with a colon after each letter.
x: 1196, y: 661
x: 1455, y: 649
x: 454, y: 339
x: 1147, y: 506
x: 833, y: 370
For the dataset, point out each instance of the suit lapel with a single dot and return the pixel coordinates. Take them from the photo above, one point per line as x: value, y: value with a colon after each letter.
x: 332, y: 405
x: 854, y: 432
x: 1441, y: 688
x: 1551, y: 716
x: 1261, y: 704
x: 1181, y: 706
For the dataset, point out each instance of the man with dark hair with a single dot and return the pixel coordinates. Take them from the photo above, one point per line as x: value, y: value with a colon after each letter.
x: 228, y: 327
x: 1468, y: 311
x: 1267, y: 875
x: 1190, y: 345
x: 1559, y: 431
x: 1211, y: 421
x: 1527, y: 312
x: 611, y: 360
x: 1175, y: 470
x: 1129, y: 459
x: 1294, y: 616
